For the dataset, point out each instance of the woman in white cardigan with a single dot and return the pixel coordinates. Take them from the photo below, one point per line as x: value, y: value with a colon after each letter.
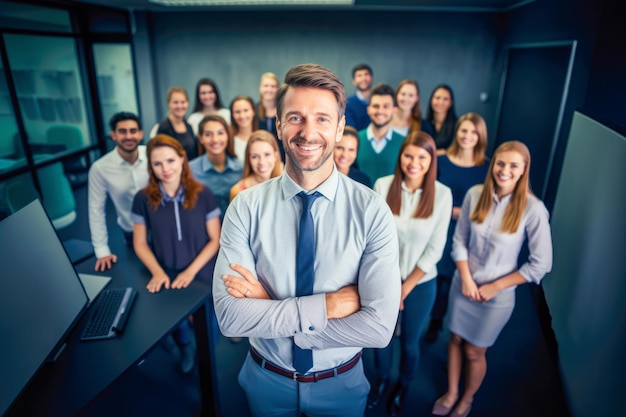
x: 422, y: 208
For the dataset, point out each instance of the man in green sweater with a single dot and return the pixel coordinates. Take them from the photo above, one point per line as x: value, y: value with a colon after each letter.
x: 379, y: 144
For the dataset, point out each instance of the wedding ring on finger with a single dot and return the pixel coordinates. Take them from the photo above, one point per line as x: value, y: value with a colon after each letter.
x: 247, y: 293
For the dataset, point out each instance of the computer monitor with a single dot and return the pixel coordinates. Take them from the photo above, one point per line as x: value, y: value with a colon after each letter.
x: 41, y: 298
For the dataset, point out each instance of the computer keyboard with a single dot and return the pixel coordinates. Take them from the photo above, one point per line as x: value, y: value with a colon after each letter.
x: 108, y: 313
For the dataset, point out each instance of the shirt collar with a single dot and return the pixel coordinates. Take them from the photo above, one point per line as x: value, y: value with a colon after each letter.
x: 141, y: 156
x: 370, y: 133
x: 360, y: 97
x: 328, y: 188
x: 232, y: 164
x: 179, y: 197
x: 506, y: 198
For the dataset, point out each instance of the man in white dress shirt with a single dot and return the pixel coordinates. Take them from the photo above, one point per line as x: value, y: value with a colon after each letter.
x: 120, y: 174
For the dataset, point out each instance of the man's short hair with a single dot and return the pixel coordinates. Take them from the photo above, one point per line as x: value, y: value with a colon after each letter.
x: 383, y: 90
x: 121, y: 116
x: 362, y: 67
x: 315, y: 76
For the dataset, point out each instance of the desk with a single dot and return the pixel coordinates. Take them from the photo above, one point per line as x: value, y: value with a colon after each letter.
x: 85, y: 369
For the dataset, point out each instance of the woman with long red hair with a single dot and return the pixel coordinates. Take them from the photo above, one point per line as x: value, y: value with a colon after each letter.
x: 496, y: 219
x: 183, y: 220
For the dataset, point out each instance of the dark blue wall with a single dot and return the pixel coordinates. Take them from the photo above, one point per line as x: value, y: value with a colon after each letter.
x: 236, y: 48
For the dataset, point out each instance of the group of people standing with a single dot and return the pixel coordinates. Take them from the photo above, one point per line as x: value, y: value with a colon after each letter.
x: 441, y: 218
x: 433, y: 172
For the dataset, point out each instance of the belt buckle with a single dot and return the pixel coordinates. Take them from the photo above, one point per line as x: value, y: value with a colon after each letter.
x: 296, y: 375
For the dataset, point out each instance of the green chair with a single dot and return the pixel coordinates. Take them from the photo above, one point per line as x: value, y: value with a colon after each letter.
x: 57, y: 196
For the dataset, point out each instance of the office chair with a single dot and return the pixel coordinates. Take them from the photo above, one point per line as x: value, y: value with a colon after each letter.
x: 57, y: 196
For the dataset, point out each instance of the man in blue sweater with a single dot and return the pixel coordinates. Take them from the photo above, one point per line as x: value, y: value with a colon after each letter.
x: 356, y: 106
x: 379, y: 144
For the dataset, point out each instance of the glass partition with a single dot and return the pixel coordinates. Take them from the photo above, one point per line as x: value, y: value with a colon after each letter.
x: 10, y: 144
x: 49, y: 88
x: 116, y: 80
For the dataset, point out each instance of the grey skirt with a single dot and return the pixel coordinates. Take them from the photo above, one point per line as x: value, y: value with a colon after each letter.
x: 478, y: 323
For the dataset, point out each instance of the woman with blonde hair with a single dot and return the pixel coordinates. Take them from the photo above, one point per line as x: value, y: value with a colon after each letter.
x: 266, y: 109
x: 495, y: 221
x: 407, y: 117
x: 175, y: 125
x: 262, y: 162
x: 181, y: 217
x: 462, y: 166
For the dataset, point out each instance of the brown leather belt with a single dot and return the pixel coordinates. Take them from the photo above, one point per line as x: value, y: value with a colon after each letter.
x: 313, y: 377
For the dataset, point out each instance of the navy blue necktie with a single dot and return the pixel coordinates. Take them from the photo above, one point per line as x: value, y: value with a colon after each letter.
x: 305, y: 273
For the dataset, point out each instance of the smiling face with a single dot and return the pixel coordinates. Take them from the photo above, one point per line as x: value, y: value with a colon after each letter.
x: 207, y: 96
x: 309, y: 126
x: 345, y: 152
x: 380, y: 110
x: 268, y: 88
x: 178, y: 105
x: 467, y: 135
x: 166, y: 165
x: 362, y: 80
x: 508, y: 168
x: 414, y: 164
x: 263, y: 158
x: 214, y: 138
x: 243, y: 113
x: 127, y: 136
x: 407, y: 97
x: 441, y: 101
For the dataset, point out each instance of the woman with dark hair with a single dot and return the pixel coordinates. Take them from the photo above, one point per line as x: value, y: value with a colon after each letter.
x: 462, y: 166
x: 217, y: 167
x: 407, y: 117
x: 208, y: 102
x: 441, y: 116
x: 496, y: 219
x: 243, y: 123
x: 175, y: 125
x: 421, y: 207
x: 182, y: 218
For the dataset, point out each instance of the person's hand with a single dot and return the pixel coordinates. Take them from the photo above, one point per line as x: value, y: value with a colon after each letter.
x: 405, y: 291
x: 488, y: 291
x: 456, y: 212
x: 343, y: 302
x: 158, y: 281
x: 244, y: 286
x: 470, y: 290
x: 182, y: 280
x: 105, y: 262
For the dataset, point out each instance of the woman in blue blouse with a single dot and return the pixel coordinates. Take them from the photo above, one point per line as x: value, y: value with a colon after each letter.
x: 462, y: 166
x: 421, y: 208
x: 217, y: 167
x: 495, y: 221
x: 182, y: 218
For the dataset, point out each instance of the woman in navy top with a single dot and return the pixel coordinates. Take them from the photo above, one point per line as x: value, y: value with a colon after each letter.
x: 462, y: 166
x: 182, y: 218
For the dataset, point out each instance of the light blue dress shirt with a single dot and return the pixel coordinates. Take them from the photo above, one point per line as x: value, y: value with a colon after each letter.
x: 219, y: 183
x: 356, y: 243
